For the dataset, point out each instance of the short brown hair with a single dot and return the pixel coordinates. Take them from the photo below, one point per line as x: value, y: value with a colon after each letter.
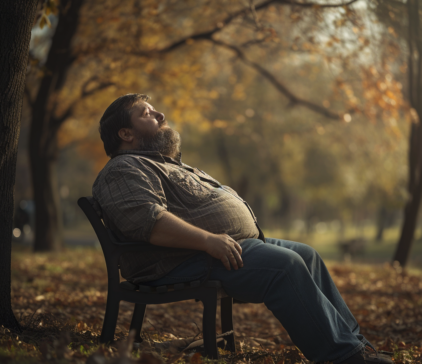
x: 117, y: 116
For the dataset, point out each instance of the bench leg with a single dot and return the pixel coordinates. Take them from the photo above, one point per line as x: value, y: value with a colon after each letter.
x: 227, y: 322
x: 137, y: 320
x: 208, y: 326
x: 110, y: 320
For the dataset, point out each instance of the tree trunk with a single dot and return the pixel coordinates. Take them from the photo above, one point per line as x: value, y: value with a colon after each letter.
x: 48, y: 217
x: 16, y: 19
x: 415, y: 141
x: 381, y: 224
x: 43, y: 149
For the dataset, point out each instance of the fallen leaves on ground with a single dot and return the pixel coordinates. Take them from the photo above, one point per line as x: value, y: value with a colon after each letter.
x: 60, y: 301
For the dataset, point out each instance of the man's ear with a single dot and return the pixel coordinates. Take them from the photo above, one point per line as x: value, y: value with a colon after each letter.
x: 126, y: 135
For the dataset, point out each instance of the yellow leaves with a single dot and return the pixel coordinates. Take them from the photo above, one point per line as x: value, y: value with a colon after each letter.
x: 307, y: 46
x: 392, y: 32
x: 414, y: 116
x: 320, y: 129
x: 220, y: 123
x: 44, y: 21
x: 239, y: 92
x: 81, y: 326
x: 240, y: 118
x: 339, y: 22
x: 295, y: 17
x: 213, y: 94
x: 50, y: 7
x: 71, y: 131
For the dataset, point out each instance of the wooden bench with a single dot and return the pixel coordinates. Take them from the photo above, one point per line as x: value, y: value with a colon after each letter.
x: 209, y: 292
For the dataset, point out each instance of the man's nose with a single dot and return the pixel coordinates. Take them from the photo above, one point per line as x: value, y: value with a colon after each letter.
x: 159, y: 116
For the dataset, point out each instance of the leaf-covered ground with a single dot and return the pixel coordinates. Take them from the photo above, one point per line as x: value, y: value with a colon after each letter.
x: 60, y: 301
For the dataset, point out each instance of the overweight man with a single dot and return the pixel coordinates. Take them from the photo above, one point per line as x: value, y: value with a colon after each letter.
x: 147, y: 194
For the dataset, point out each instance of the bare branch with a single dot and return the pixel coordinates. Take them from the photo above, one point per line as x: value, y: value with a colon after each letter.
x: 254, y: 42
x: 254, y: 14
x: 220, y: 25
x: 101, y: 86
x: 310, y: 5
x: 84, y: 93
x: 294, y: 100
x: 208, y: 35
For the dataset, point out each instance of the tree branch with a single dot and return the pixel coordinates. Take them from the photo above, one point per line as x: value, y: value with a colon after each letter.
x: 84, y: 93
x: 99, y: 87
x: 310, y: 5
x: 208, y: 35
x: 220, y: 25
x: 294, y: 100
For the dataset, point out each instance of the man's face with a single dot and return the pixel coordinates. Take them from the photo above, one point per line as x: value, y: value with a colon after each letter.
x: 152, y: 132
x: 145, y: 119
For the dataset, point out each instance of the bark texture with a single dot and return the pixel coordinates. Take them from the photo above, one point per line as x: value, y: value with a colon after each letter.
x: 43, y: 148
x: 415, y: 143
x: 16, y: 19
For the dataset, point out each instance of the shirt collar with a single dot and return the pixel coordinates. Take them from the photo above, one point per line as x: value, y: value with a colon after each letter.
x: 152, y: 155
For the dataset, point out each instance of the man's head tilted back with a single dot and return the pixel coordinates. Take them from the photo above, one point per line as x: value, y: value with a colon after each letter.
x: 131, y: 123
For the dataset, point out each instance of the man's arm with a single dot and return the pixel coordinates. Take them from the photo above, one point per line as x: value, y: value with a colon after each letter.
x: 171, y: 231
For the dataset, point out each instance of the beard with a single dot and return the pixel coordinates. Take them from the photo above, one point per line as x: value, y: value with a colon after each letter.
x: 166, y: 141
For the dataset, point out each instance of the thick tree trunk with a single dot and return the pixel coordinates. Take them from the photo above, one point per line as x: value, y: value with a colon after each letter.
x: 16, y: 19
x: 409, y: 225
x: 45, y: 124
x: 415, y: 143
x: 48, y: 221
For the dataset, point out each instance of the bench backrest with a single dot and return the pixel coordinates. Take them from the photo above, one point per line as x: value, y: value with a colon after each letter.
x: 110, y: 250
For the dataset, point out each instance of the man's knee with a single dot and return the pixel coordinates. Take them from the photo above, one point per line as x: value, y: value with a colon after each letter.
x: 307, y: 253
x: 290, y: 261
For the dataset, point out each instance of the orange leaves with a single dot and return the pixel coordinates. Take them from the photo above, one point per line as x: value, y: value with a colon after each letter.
x: 385, y: 300
x: 81, y: 327
x: 382, y: 94
x: 196, y: 359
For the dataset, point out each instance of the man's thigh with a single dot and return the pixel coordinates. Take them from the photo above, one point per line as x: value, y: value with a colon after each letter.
x: 262, y: 263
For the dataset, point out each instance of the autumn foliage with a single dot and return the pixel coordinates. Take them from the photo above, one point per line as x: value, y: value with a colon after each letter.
x: 60, y: 301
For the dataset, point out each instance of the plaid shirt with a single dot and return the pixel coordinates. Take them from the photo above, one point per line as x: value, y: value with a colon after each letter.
x: 134, y: 190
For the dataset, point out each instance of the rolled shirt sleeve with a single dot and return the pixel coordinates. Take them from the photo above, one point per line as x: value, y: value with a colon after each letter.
x: 132, y: 199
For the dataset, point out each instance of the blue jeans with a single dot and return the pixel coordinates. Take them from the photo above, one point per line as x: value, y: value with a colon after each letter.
x: 294, y: 283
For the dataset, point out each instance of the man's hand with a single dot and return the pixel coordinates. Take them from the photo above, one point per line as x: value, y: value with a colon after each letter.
x: 226, y: 249
x: 173, y: 232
